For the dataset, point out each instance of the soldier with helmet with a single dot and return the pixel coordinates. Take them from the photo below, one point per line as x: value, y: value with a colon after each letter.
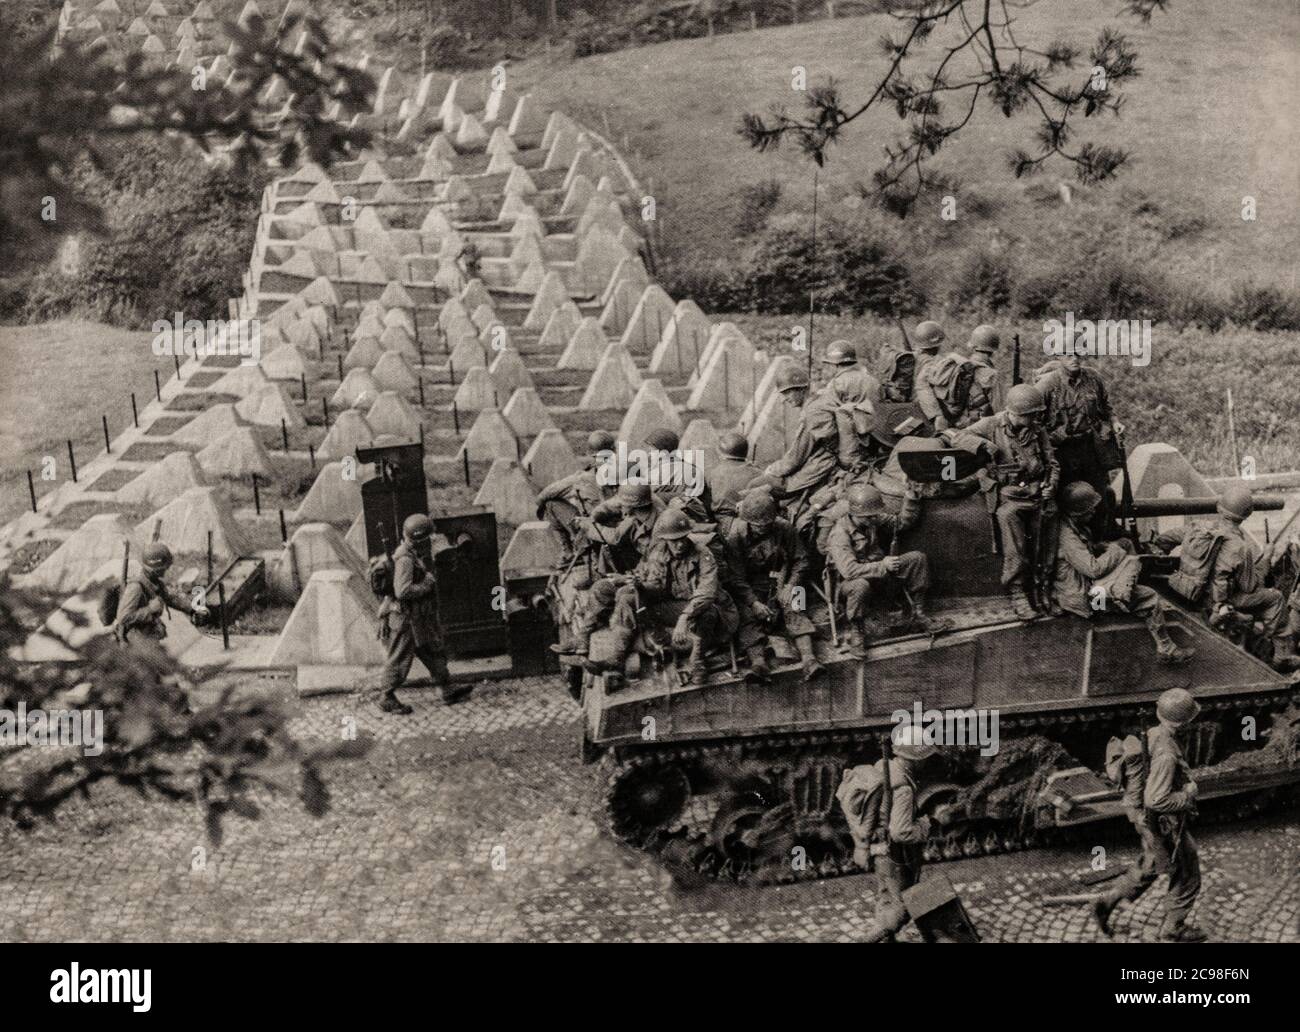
x: 1020, y: 483
x: 408, y: 619
x: 1083, y: 429
x: 841, y: 358
x: 860, y: 551
x: 563, y: 501
x: 730, y: 476
x: 813, y: 456
x: 986, y: 388
x: 623, y: 525
x: 928, y: 338
x: 1101, y: 577
x: 1160, y: 800
x: 676, y: 480
x: 768, y: 563
x: 147, y: 599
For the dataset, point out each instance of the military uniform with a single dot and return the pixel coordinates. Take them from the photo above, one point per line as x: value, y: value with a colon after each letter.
x: 628, y: 533
x: 899, y: 859
x: 933, y: 375
x: 563, y: 501
x: 858, y: 553
x: 727, y: 481
x: 409, y: 623
x: 1078, y: 420
x: 142, y: 608
x: 985, y: 390
x: 765, y: 569
x: 1159, y: 810
x: 673, y: 487
x: 814, y: 455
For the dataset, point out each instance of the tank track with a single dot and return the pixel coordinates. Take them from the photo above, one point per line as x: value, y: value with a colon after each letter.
x: 649, y: 801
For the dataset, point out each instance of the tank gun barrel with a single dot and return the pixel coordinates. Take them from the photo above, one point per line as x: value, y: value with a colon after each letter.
x: 1148, y: 508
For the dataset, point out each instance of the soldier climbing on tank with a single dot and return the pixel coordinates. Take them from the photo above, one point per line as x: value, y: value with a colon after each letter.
x: 1020, y: 485
x: 887, y: 832
x: 563, y: 501
x: 730, y: 476
x: 675, y: 477
x: 1221, y: 566
x: 409, y: 624
x: 986, y: 387
x: 768, y: 564
x: 943, y: 380
x: 146, y: 599
x: 1084, y: 431
x: 678, y: 585
x: 813, y: 457
x: 622, y: 526
x: 861, y: 550
x: 1160, y: 800
x: 1094, y: 577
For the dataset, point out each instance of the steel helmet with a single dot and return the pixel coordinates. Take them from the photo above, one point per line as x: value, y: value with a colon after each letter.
x: 603, y: 591
x: 662, y: 439
x: 865, y: 500
x: 1023, y: 399
x: 758, y: 508
x: 1236, y: 502
x: 984, y: 338
x: 157, y: 557
x: 417, y: 527
x: 600, y: 440
x: 673, y: 525
x: 910, y: 744
x: 1080, y: 498
x: 1176, y: 706
x: 634, y: 496
x: 929, y: 335
x: 791, y: 376
x: 733, y: 445
x: 840, y: 353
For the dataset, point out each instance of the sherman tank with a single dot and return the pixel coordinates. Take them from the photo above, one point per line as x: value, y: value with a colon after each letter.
x: 736, y: 781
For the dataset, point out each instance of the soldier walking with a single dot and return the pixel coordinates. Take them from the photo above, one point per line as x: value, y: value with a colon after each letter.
x: 147, y: 599
x: 408, y: 619
x: 1160, y: 800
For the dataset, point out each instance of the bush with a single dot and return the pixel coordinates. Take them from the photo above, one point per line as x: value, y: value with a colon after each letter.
x: 1263, y: 307
x: 984, y: 281
x: 757, y: 202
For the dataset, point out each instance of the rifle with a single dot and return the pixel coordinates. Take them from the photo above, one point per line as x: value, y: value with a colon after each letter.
x: 887, y: 791
x: 1015, y: 359
x: 1126, y: 495
x: 907, y: 341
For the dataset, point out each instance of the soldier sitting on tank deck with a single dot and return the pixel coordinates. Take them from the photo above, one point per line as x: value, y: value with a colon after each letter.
x: 1098, y: 577
x: 729, y: 477
x: 767, y: 564
x: 863, y: 547
x: 622, y: 527
x: 674, y: 478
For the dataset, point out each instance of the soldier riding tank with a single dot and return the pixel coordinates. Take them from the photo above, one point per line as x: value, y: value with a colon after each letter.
x: 737, y: 781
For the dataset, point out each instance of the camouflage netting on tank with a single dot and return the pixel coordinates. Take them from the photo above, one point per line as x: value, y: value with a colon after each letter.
x: 1281, y: 747
x: 1009, y: 788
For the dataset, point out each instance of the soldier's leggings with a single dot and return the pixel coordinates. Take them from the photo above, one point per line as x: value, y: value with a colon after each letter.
x: 1163, y: 852
x: 915, y: 576
x: 402, y: 652
x: 1015, y: 521
x: 560, y: 515
x: 791, y: 621
x: 893, y: 876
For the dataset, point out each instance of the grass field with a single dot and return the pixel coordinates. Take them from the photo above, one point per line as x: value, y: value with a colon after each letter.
x: 1208, y: 122
x: 59, y: 379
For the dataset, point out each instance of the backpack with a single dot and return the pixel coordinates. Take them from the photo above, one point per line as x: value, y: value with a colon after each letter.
x: 952, y: 379
x: 380, y: 573
x: 1196, y: 564
x: 861, y: 797
x: 1127, y: 764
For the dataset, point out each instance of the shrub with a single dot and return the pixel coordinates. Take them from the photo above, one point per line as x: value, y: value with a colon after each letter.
x: 984, y: 281
x: 757, y: 202
x: 1263, y: 307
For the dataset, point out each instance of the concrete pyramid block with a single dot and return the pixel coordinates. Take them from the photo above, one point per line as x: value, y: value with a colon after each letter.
x: 619, y: 306
x: 700, y: 436
x: 766, y: 385
x: 452, y: 311
x: 396, y: 296
x: 467, y: 354
x: 402, y: 319
x: 356, y: 538
x: 729, y: 379
x: 723, y: 335
x: 682, y: 343
x: 351, y: 430
x: 650, y: 410
x: 484, y: 315
x: 237, y: 454
x: 241, y: 381
x: 475, y: 294
x: 533, y: 550
x: 586, y: 346
x: 470, y: 135
x: 561, y: 326
x: 653, y: 312
x: 162, y: 481
x: 550, y: 296
x: 73, y: 565
x: 490, y: 438
x: 184, y: 523
x: 578, y: 195
x: 616, y: 352
x: 550, y: 458
x: 333, y: 497
x: 365, y: 353
x: 358, y: 388
x: 393, y: 414
x: 609, y: 387
x: 269, y: 405
x: 527, y: 118
x: 476, y: 391
x: 772, y: 431
x: 507, y: 492
x: 332, y: 624
x: 286, y: 363
x: 509, y: 373
x: 311, y: 548
x: 526, y: 414
x: 393, y: 373
x: 208, y: 425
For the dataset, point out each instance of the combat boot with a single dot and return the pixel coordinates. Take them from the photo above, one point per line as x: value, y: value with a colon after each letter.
x: 1167, y: 650
x: 699, y: 669
x: 454, y: 693
x: 1182, y: 933
x: 390, y: 703
x: 1020, y: 602
x: 929, y: 624
x: 577, y: 644
x: 808, y: 655
x: 1285, y: 658
x: 855, y: 642
x: 1101, y: 911
x: 759, y: 671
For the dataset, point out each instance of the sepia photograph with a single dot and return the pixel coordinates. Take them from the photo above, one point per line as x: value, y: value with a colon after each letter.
x: 651, y: 471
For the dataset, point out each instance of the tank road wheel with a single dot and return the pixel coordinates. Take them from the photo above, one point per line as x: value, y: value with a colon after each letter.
x: 732, y: 827
x: 644, y: 797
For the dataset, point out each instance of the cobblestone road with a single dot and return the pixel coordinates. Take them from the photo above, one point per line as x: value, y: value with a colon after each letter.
x: 407, y: 853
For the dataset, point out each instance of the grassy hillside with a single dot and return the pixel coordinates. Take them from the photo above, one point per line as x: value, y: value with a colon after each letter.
x: 1207, y: 123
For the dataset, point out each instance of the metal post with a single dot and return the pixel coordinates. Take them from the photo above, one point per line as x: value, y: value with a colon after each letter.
x: 135, y: 413
x: 157, y: 386
x: 209, y: 558
x: 108, y: 444
x: 73, y: 460
x: 311, y: 454
x: 225, y: 627
x: 325, y: 408
x: 421, y: 383
x: 284, y: 530
x: 284, y: 433
x: 257, y: 496
x: 465, y: 455
x: 31, y: 489
x: 455, y: 416
x: 303, y: 378
x: 340, y: 361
